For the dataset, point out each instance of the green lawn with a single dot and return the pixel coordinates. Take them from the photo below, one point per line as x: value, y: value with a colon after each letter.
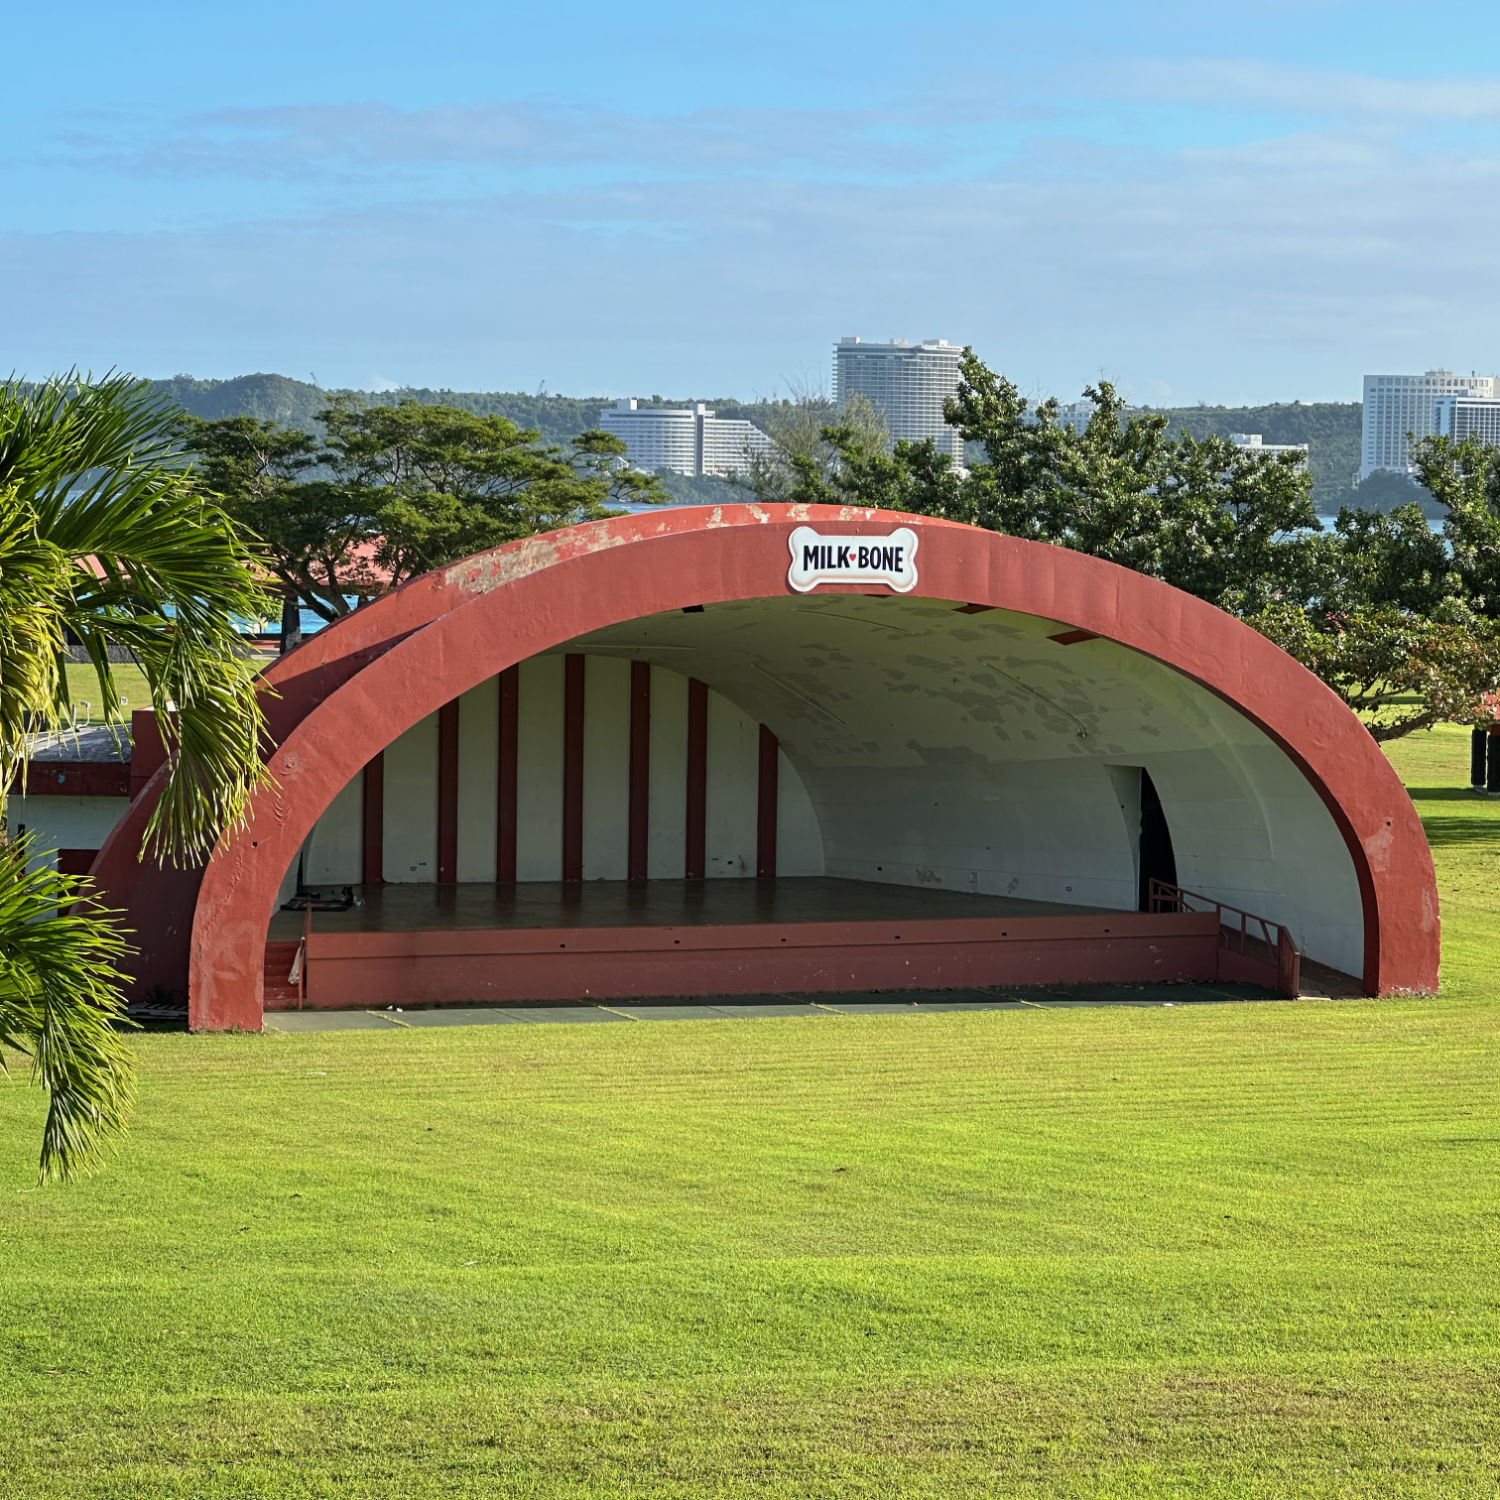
x: 1212, y: 1251
x: 1464, y: 832
x: 130, y: 683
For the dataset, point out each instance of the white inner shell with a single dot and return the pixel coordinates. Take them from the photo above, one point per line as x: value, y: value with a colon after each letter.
x: 919, y: 746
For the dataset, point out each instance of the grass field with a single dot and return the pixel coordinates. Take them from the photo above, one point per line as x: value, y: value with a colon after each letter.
x: 130, y: 683
x: 1208, y: 1251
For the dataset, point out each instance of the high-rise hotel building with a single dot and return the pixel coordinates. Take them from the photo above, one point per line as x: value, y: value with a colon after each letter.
x: 1403, y: 408
x: 684, y: 439
x: 906, y: 383
x: 1464, y: 417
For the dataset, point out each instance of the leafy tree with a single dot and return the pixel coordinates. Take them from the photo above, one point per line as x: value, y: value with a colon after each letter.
x: 1331, y: 430
x: 1464, y: 477
x: 318, y: 536
x: 1398, y: 670
x: 1200, y: 514
x: 106, y: 540
x: 600, y: 457
x: 1387, y: 560
x: 443, y: 483
x: 1405, y: 629
x: 807, y: 452
x: 399, y: 490
x: 1211, y: 518
x: 1378, y: 606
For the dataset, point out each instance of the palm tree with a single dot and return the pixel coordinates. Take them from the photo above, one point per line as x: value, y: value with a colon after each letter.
x: 106, y: 540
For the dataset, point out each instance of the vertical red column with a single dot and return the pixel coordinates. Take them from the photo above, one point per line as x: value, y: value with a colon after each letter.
x: 695, y: 864
x: 372, y: 857
x: 147, y: 751
x: 767, y: 804
x: 447, y: 792
x: 572, y: 818
x: 510, y: 736
x: 640, y: 769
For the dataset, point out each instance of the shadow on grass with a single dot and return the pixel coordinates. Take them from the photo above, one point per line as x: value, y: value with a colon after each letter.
x: 1447, y: 794
x: 1447, y: 832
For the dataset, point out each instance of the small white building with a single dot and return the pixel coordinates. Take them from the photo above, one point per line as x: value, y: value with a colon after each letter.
x: 76, y: 785
x: 1075, y: 414
x: 1078, y: 414
x: 1252, y: 442
x: 684, y: 439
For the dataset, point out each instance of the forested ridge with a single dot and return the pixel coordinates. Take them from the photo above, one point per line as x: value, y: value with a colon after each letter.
x: 1330, y: 428
x: 296, y: 403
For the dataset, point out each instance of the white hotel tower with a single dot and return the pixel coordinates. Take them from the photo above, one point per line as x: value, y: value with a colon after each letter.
x: 906, y: 383
x: 1398, y: 405
x: 684, y: 439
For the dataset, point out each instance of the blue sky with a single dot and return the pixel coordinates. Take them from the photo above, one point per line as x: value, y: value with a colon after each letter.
x: 1200, y: 202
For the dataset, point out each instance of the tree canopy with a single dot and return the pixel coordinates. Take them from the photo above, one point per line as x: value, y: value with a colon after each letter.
x: 395, y: 491
x: 1465, y: 479
x: 1400, y: 622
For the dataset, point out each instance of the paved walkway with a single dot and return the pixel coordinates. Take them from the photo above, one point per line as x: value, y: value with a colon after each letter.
x: 1061, y: 997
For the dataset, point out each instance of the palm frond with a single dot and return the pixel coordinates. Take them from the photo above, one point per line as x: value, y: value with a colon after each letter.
x: 57, y: 434
x: 150, y: 564
x: 61, y: 1005
x: 104, y: 541
x: 33, y: 574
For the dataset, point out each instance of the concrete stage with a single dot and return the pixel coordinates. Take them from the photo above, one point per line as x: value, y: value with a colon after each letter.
x: 655, y: 903
x: 598, y: 940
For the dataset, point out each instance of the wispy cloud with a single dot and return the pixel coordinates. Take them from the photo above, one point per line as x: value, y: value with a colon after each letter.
x: 1252, y: 271
x: 1297, y: 90
x: 1348, y: 224
x: 972, y: 124
x: 294, y: 141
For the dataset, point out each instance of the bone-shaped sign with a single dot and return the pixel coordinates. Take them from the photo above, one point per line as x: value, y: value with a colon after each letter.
x: 890, y: 560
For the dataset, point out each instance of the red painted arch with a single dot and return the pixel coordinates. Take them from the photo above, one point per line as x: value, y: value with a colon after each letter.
x: 354, y: 688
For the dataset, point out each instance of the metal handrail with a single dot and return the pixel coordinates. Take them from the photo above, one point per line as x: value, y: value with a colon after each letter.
x: 298, y: 974
x: 1167, y: 897
x: 1286, y: 958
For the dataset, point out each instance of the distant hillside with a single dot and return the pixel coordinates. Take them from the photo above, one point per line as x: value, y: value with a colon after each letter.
x: 1330, y: 428
x: 295, y: 403
x: 267, y: 398
x: 559, y: 419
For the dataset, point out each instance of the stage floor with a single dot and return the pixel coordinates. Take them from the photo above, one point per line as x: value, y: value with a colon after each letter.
x: 550, y: 905
x: 598, y: 940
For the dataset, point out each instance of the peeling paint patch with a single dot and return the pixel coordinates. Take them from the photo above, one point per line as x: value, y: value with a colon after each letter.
x: 492, y: 570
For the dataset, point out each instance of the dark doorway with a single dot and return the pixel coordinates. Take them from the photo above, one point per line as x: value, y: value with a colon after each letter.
x: 75, y: 861
x: 1157, y: 859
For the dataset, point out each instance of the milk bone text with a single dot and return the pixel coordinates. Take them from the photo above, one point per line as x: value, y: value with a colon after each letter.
x: 825, y: 557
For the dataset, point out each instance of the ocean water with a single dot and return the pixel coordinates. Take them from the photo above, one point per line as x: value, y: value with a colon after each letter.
x: 309, y: 622
x: 1434, y: 525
